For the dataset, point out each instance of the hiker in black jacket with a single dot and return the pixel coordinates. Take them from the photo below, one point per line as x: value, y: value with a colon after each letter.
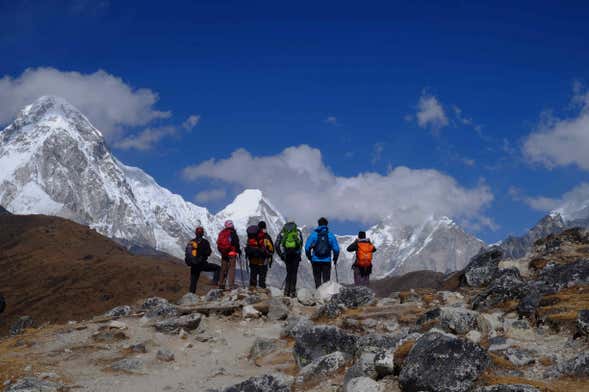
x: 197, y: 252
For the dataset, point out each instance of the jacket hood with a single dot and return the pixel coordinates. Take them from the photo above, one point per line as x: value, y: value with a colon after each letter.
x: 321, y: 229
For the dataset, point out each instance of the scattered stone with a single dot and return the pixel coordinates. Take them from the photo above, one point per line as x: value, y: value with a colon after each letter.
x: 363, y: 367
x: 439, y: 362
x: 328, y: 290
x: 452, y: 298
x: 578, y: 366
x: 119, y: 311
x: 188, y: 322
x: 252, y: 299
x: 138, y: 348
x: 384, y: 363
x: 482, y: 267
x: 518, y: 357
x: 458, y: 320
x: 330, y: 310
x: 560, y: 276
x: 508, y: 388
x: 127, y: 365
x: 499, y: 343
x: 109, y: 335
x: 583, y: 322
x: 189, y: 299
x: 214, y: 295
x: 249, y: 311
x: 409, y: 296
x: 528, y: 305
x: 266, y: 383
x: 474, y: 337
x: 165, y: 355
x: 306, y: 297
x: 375, y: 343
x: 363, y: 384
x: 507, y: 285
x: 295, y: 326
x: 274, y: 292
x: 322, y: 367
x: 317, y: 341
x: 20, y: 325
x: 261, y: 347
x: 158, y: 307
x: 34, y: 384
x: 391, y: 325
x: 277, y: 309
x: 117, y: 325
x: 353, y: 296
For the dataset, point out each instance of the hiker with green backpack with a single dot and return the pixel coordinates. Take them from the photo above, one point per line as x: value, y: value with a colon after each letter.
x: 289, y: 245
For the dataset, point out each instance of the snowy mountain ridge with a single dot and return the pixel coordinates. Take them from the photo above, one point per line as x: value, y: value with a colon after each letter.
x: 55, y: 162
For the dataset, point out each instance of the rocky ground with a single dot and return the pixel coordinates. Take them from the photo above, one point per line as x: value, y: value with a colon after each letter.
x: 499, y: 326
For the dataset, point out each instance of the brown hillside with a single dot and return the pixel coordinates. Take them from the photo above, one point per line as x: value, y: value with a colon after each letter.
x: 55, y: 270
x: 412, y: 280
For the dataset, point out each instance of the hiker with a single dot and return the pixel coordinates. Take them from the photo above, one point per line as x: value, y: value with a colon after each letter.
x: 363, y: 262
x: 259, y: 250
x: 228, y: 246
x: 318, y: 249
x: 197, y: 252
x: 289, y: 244
x: 2, y: 303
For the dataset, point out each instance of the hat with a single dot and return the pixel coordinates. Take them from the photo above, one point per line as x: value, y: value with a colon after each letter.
x: 199, y: 230
x: 322, y: 221
x: 229, y: 224
x: 262, y: 225
x: 361, y: 235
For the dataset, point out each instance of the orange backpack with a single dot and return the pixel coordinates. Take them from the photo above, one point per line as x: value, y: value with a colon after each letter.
x: 364, y: 254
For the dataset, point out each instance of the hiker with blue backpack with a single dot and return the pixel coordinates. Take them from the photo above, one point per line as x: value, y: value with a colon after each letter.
x: 289, y: 246
x: 320, y: 247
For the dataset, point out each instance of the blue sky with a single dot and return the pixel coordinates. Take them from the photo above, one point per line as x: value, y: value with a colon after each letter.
x: 348, y: 79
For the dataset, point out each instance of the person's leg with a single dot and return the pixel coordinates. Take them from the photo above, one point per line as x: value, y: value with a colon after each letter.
x: 293, y: 281
x: 262, y: 272
x: 214, y: 268
x: 317, y: 273
x: 357, y: 276
x: 253, y: 275
x: 224, y: 272
x: 231, y: 273
x: 194, y: 275
x: 326, y: 272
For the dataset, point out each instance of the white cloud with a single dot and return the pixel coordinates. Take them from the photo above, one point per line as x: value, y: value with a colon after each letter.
x: 301, y: 185
x: 210, y: 195
x: 430, y: 113
x: 146, y: 139
x: 109, y: 102
x: 561, y: 142
x: 191, y: 122
x: 331, y: 120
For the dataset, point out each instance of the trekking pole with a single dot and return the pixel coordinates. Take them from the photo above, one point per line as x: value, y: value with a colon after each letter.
x: 336, y: 277
x: 241, y: 271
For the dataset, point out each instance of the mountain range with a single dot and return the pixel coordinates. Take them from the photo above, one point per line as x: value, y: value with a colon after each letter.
x: 55, y: 162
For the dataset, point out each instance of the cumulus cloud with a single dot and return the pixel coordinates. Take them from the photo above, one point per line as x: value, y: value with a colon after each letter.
x: 301, y: 185
x: 210, y: 195
x: 191, y: 122
x: 430, y: 113
x: 539, y: 203
x: 561, y: 142
x: 146, y: 139
x: 109, y: 102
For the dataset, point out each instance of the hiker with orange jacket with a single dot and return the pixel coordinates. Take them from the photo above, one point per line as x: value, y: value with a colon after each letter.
x: 228, y: 246
x: 363, y: 262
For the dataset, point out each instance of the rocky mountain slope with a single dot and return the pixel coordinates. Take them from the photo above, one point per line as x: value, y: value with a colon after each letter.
x: 55, y: 270
x: 56, y: 163
x: 500, y: 326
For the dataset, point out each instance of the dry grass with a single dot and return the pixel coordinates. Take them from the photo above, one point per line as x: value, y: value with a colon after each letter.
x: 501, y: 362
x: 560, y: 310
x: 402, y: 352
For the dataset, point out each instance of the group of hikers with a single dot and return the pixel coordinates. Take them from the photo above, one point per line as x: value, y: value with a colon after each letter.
x: 321, y: 249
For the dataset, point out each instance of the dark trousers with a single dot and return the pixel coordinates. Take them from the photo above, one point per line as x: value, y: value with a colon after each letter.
x: 321, y: 272
x: 195, y: 271
x: 292, y: 268
x: 258, y: 275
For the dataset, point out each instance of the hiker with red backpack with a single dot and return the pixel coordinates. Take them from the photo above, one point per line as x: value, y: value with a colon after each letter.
x: 363, y: 263
x: 228, y: 246
x: 258, y: 250
x: 319, y: 248
x: 197, y: 252
x: 289, y: 244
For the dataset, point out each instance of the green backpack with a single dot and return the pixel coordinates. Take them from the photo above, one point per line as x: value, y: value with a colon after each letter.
x: 291, y: 241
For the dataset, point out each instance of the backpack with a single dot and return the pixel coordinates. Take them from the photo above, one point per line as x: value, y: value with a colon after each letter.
x: 224, y: 243
x: 364, y: 254
x: 291, y: 241
x: 322, y: 246
x: 255, y: 247
x: 190, y: 257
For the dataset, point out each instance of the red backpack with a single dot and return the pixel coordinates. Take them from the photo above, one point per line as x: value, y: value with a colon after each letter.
x: 224, y: 242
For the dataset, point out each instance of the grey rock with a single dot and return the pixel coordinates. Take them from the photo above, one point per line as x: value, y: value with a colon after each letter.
x: 560, y: 276
x: 188, y: 322
x: 384, y: 363
x: 458, y: 320
x: 138, y: 348
x: 578, y: 366
x: 265, y: 383
x: 330, y: 310
x: 482, y: 267
x: 375, y: 343
x: 306, y: 297
x: 518, y: 357
x: 353, y: 296
x: 363, y: 384
x: 322, y: 367
x: 295, y: 326
x: 156, y: 307
x: 119, y: 311
x: 277, y: 310
x: 34, y: 384
x: 528, y: 305
x: 127, y: 365
x: 189, y: 299
x: 508, y: 388
x: 363, y: 367
x: 20, y: 325
x: 165, y: 355
x: 438, y: 362
x: 252, y: 299
x: 583, y: 322
x: 506, y: 285
x: 317, y: 341
x: 214, y: 295
x: 261, y: 347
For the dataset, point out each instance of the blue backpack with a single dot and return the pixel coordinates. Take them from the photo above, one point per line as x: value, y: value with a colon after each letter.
x: 322, y: 246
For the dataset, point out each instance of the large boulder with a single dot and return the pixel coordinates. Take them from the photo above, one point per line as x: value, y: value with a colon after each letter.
x: 188, y: 322
x: 306, y: 296
x: 565, y: 275
x: 328, y: 290
x: 322, y: 367
x: 156, y: 307
x: 262, y: 346
x: 347, y: 298
x: 507, y: 285
x: 266, y: 383
x: 441, y: 362
x: 189, y: 299
x: 384, y: 363
x: 295, y: 326
x: 482, y: 267
x: 317, y: 341
x: 277, y: 309
x: 508, y: 388
x: 33, y: 384
x: 20, y: 325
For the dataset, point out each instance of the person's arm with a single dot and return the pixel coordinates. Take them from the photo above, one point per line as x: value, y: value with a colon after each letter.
x: 300, y: 239
x: 334, y: 247
x: 272, y: 247
x: 188, y: 253
x: 309, y: 244
x: 353, y: 247
x: 278, y: 246
x: 235, y: 241
x: 206, y: 249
